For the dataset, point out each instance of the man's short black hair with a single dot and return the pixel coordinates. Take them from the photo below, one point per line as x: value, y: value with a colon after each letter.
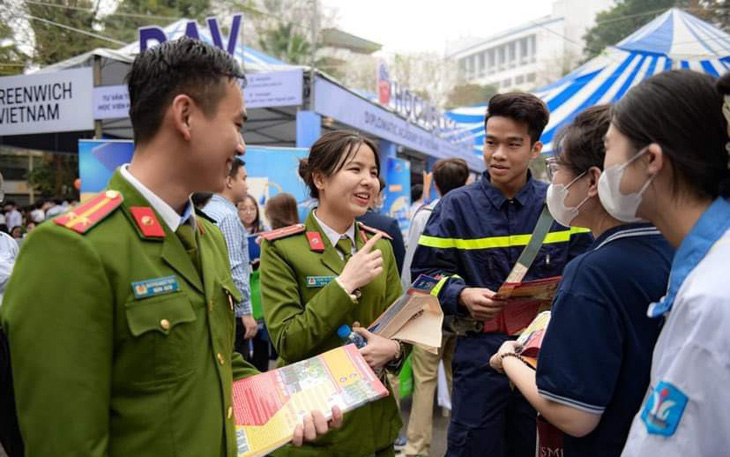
x: 235, y: 166
x: 416, y: 192
x: 520, y: 107
x: 183, y: 66
x: 450, y: 174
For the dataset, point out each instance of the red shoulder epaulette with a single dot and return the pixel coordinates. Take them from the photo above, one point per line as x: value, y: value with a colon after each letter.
x: 283, y: 232
x: 86, y: 215
x: 375, y: 231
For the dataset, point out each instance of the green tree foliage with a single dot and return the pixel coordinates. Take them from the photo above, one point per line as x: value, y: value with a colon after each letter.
x: 12, y: 60
x: 285, y: 43
x: 469, y: 94
x: 130, y: 15
x: 615, y: 24
x: 53, y: 43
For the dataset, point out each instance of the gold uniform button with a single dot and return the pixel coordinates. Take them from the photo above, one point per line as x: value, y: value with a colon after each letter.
x: 230, y: 412
x: 210, y: 305
x: 165, y: 324
x: 221, y: 359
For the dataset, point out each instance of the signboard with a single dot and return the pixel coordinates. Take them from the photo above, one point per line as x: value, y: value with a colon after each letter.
x: 264, y: 90
x: 97, y: 161
x: 338, y: 103
x: 276, y: 88
x: 397, y: 195
x: 111, y: 102
x: 46, y: 102
x: 270, y: 170
x: 274, y: 170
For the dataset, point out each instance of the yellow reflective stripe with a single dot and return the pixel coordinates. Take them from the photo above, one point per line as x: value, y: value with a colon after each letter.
x: 493, y: 242
x: 439, y: 285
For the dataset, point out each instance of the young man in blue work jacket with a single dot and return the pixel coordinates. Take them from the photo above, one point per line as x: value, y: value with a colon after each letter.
x: 474, y: 237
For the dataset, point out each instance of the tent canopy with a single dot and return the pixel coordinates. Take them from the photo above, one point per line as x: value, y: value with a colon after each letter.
x: 673, y: 40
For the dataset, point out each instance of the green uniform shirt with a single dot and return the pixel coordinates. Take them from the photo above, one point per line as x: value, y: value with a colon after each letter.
x: 99, y: 372
x: 304, y: 307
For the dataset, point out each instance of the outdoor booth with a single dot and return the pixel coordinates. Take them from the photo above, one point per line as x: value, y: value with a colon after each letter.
x: 289, y: 107
x: 673, y: 40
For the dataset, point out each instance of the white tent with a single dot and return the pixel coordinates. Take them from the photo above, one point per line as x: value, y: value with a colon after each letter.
x: 673, y: 40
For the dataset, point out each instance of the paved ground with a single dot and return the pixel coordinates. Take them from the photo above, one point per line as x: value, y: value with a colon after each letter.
x: 440, y: 424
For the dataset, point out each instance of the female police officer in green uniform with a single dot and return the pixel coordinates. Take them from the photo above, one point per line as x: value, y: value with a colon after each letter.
x: 332, y: 271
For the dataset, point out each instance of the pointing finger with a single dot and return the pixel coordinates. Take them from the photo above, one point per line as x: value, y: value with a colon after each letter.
x: 371, y: 243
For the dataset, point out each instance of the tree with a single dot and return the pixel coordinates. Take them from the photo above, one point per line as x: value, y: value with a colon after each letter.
x: 615, y: 24
x: 285, y: 43
x: 12, y: 59
x: 53, y: 43
x: 469, y: 94
x: 627, y: 16
x: 130, y: 15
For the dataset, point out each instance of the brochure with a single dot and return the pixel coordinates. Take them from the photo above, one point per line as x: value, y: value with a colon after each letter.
x: 549, y: 437
x: 531, y: 338
x: 524, y: 301
x: 416, y: 317
x: 269, y: 406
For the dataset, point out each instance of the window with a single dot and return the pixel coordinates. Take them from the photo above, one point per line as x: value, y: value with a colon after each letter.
x: 533, y: 47
x: 482, y: 63
x: 506, y: 83
x: 523, y: 48
x: 501, y: 59
x: 491, y: 58
x: 519, y: 79
x: 531, y: 77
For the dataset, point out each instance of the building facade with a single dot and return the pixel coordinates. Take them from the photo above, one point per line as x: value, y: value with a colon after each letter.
x: 532, y: 54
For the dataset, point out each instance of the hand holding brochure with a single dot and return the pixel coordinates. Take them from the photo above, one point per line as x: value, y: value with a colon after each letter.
x: 524, y: 301
x: 415, y: 318
x: 269, y: 406
x: 531, y: 338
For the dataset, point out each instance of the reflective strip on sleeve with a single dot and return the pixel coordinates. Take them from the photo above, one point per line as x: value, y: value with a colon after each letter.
x: 493, y: 242
x: 437, y: 288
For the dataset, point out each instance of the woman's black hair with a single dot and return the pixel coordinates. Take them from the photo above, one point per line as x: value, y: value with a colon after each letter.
x: 579, y: 145
x: 330, y: 153
x: 681, y: 111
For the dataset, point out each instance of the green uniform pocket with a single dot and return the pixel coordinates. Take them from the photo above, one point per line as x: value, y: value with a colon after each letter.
x: 162, y: 327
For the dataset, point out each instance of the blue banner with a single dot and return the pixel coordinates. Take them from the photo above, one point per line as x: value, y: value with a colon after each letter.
x: 270, y: 170
x: 97, y: 161
x: 397, y: 195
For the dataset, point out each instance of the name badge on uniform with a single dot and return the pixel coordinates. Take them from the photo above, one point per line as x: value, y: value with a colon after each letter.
x: 153, y: 287
x: 319, y: 281
x: 663, y: 409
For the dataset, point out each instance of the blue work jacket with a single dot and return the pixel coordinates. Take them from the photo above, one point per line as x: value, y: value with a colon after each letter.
x: 476, y: 234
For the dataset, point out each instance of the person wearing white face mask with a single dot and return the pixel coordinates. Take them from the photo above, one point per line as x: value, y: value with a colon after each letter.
x: 593, y: 366
x: 670, y: 131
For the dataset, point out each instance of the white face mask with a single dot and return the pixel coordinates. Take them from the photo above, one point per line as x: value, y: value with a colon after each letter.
x: 620, y: 206
x: 556, y: 195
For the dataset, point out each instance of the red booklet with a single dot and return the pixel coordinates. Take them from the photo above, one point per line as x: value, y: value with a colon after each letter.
x: 524, y: 301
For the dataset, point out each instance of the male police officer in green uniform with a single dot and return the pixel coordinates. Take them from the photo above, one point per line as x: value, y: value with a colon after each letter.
x: 120, y: 312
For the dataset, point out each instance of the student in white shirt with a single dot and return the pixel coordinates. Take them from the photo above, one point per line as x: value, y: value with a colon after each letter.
x: 667, y: 162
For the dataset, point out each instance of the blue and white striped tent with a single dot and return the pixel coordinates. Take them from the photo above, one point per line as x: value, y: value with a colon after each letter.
x: 673, y: 40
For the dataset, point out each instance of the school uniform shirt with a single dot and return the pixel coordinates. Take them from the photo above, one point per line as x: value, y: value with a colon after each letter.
x: 597, y: 351
x: 686, y: 409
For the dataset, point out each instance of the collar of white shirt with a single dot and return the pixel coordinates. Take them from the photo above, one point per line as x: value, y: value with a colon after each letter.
x: 333, y: 235
x: 171, y: 218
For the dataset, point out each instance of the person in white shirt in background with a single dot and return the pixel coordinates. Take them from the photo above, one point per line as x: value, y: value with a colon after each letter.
x: 448, y: 174
x: 667, y: 163
x: 8, y: 252
x: 416, y: 199
x: 13, y: 218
